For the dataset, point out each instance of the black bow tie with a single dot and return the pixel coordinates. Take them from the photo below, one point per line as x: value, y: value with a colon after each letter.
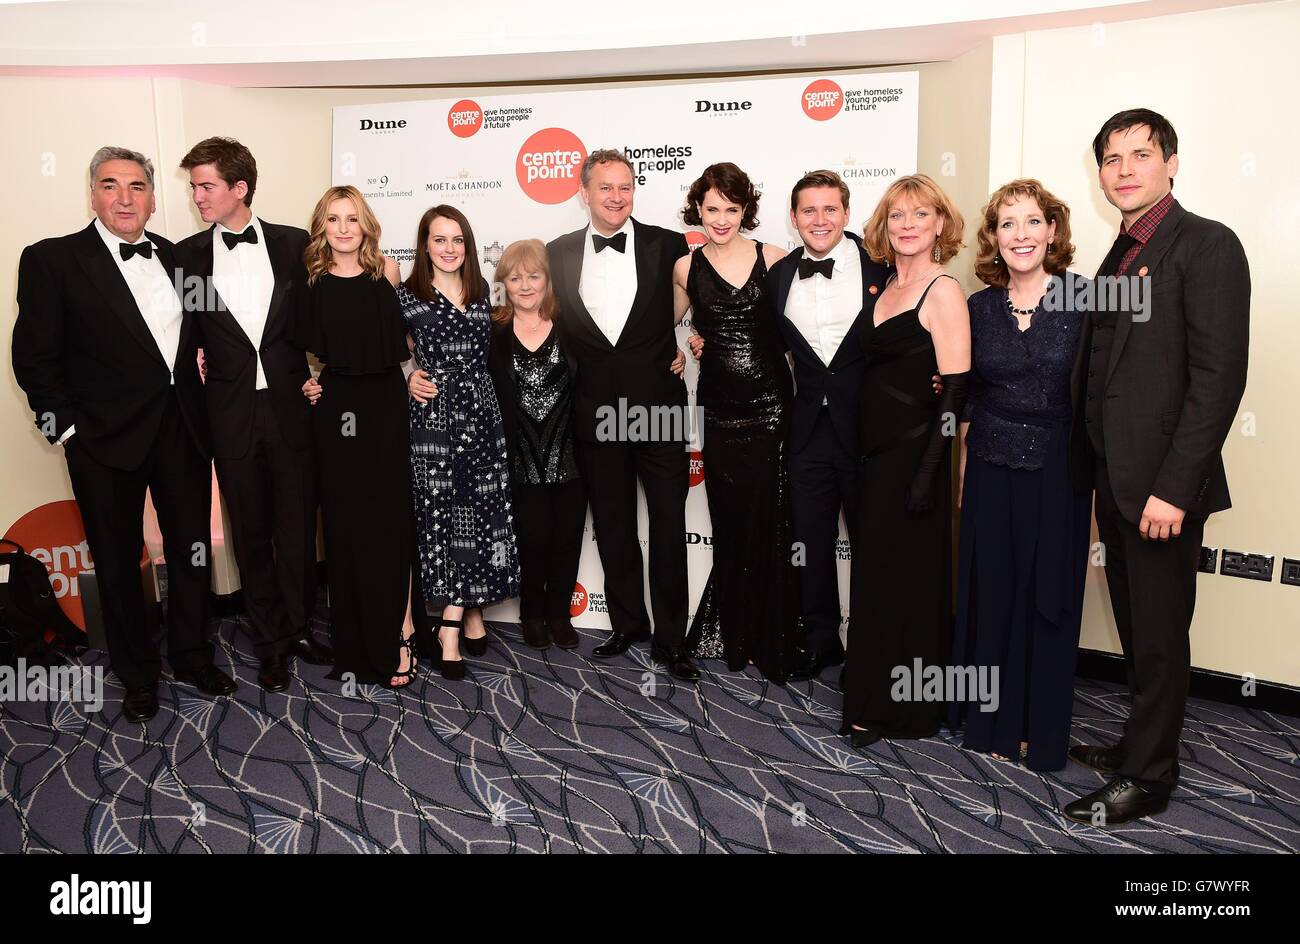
x: 810, y: 267
x: 234, y: 239
x: 617, y: 242
x: 130, y: 249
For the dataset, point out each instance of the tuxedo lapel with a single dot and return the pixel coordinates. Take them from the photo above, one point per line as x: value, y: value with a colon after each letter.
x: 1148, y: 258
x: 572, y: 249
x: 782, y: 279
x: 95, y: 259
x: 868, y: 306
x: 282, y: 267
x: 648, y: 250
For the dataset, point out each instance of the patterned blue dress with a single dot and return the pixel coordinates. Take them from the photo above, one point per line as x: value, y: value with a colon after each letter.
x: 460, y: 476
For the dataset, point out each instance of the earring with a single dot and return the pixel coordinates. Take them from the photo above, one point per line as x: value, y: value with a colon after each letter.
x: 937, y: 257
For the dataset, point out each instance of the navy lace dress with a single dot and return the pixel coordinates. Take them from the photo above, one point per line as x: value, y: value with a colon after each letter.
x: 1024, y: 534
x: 460, y: 476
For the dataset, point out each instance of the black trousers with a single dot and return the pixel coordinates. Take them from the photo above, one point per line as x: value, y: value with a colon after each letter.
x: 824, y: 479
x: 548, y: 530
x: 179, y: 480
x: 270, y: 493
x: 611, y: 471
x: 1153, y: 594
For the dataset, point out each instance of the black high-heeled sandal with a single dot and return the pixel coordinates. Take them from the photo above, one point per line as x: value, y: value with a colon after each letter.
x: 475, y: 647
x: 412, y: 665
x: 451, y: 669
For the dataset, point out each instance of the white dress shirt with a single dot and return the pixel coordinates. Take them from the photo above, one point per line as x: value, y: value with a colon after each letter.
x: 608, y: 282
x: 244, y: 279
x: 155, y: 295
x: 824, y: 309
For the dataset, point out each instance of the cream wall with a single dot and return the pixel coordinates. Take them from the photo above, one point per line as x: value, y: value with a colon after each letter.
x: 1225, y: 79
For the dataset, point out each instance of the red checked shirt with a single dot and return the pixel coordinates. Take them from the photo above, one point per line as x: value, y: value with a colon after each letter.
x: 1143, y: 229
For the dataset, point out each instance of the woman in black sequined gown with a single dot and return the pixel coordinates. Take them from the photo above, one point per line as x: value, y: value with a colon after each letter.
x: 749, y: 609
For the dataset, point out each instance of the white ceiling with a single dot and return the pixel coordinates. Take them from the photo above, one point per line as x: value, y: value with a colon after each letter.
x: 281, y: 43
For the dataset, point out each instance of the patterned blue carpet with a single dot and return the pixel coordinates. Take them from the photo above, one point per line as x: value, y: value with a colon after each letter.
x: 555, y: 752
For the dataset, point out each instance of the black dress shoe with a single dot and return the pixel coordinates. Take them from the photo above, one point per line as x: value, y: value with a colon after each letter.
x: 860, y: 737
x: 563, y: 634
x: 617, y: 644
x: 273, y: 675
x: 678, y: 662
x: 1119, y: 801
x: 310, y: 651
x: 140, y: 704
x: 1106, y: 759
x: 809, y: 664
x: 210, y: 680
x: 536, y: 635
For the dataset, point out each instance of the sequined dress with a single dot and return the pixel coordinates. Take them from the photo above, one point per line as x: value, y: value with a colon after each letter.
x: 460, y: 476
x: 749, y: 609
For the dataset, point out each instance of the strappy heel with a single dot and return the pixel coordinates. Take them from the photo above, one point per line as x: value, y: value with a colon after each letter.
x: 451, y: 669
x: 412, y: 664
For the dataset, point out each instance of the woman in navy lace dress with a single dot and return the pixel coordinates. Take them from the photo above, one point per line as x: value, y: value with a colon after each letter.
x: 460, y: 476
x: 1024, y: 532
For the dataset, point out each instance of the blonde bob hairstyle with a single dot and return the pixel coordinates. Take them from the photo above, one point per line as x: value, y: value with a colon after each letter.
x: 318, y: 256
x: 989, y: 265
x: 522, y: 256
x: 919, y: 190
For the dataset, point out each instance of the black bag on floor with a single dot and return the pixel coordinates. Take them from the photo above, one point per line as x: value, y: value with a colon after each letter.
x: 32, y: 624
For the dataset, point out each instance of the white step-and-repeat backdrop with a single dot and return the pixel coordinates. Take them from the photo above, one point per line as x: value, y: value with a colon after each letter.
x: 511, y: 163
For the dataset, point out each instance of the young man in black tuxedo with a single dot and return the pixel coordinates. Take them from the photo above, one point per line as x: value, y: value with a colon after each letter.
x: 614, y: 282
x: 108, y: 359
x: 823, y: 293
x: 1156, y: 390
x: 253, y: 279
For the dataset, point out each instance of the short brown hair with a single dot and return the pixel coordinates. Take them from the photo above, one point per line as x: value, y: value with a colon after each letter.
x: 819, y: 178
x: 922, y: 191
x: 735, y: 187
x: 604, y: 156
x: 989, y: 265
x: 530, y: 255
x: 420, y: 281
x: 233, y: 162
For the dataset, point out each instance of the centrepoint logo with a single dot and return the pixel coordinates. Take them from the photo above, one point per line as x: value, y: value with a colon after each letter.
x: 695, y: 239
x: 549, y: 165
x: 822, y: 100
x: 465, y: 118
x: 578, y: 602
x: 55, y: 536
x: 697, y: 468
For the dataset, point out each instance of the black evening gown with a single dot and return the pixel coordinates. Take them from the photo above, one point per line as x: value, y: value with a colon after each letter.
x: 749, y: 609
x: 1024, y: 534
x: 354, y: 325
x: 901, y: 577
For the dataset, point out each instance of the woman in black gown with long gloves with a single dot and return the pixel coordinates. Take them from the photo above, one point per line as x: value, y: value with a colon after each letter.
x: 749, y: 609
x: 353, y: 324
x: 900, y: 623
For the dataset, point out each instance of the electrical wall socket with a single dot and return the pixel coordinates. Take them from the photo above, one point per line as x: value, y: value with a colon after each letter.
x: 1291, y: 571
x: 1209, y: 560
x: 1250, y: 566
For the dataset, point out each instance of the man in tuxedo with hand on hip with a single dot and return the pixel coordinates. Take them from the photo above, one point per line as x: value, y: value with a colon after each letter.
x: 1156, y: 390
x: 614, y: 281
x: 253, y: 278
x: 108, y: 359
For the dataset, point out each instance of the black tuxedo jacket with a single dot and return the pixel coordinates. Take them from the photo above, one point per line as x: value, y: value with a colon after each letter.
x: 840, y: 382
x: 84, y: 356
x: 1174, y: 381
x: 637, y: 368
x: 229, y: 354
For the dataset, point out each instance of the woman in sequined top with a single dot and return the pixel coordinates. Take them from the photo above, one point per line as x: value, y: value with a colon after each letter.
x: 1024, y: 532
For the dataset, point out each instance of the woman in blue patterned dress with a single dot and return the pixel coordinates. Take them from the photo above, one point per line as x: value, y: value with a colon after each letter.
x: 460, y: 476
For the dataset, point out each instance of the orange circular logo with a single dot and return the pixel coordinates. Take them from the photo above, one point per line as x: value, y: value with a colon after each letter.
x: 578, y: 602
x: 695, y: 239
x: 697, y: 468
x: 873, y: 290
x: 822, y: 100
x: 549, y: 165
x: 55, y: 536
x: 465, y: 118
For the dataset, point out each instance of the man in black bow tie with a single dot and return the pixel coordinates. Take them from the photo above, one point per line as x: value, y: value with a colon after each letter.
x: 108, y: 359
x: 253, y: 280
x: 614, y: 282
x: 823, y: 293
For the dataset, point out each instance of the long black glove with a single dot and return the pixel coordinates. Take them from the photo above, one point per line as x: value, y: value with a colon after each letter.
x: 945, y: 428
